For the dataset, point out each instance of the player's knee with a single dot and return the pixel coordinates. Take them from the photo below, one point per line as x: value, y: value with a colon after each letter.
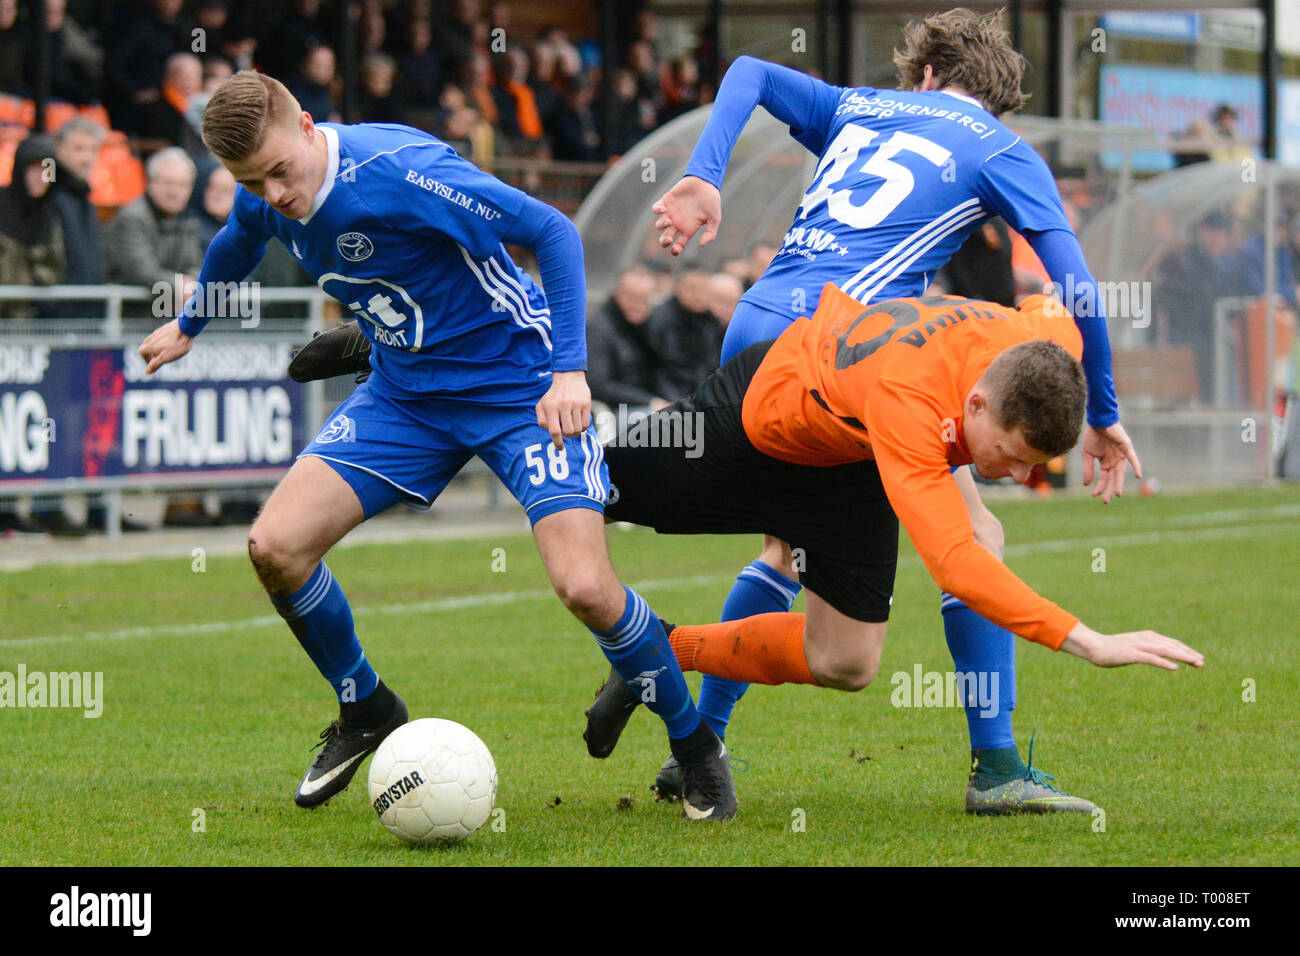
x: 586, y: 597
x: 850, y: 669
x: 273, y: 556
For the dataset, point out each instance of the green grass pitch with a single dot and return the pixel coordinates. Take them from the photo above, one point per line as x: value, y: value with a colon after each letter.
x: 210, y: 704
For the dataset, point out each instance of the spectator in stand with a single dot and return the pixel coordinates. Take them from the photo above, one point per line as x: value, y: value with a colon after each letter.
x: 633, y: 117
x: 76, y: 62
x: 725, y: 291
x: 314, y: 85
x: 216, y: 194
x: 13, y: 49
x: 622, y: 366
x: 568, y: 61
x: 152, y: 240
x: 541, y: 80
x: 420, y: 66
x: 498, y: 17
x: 213, y: 18
x: 516, y: 106
x: 173, y: 117
x: 575, y: 136
x: 1253, y: 262
x: 401, y: 15
x: 1188, y: 282
x: 682, y: 90
x: 135, y: 68
x: 463, y: 127
x: 478, y: 88
x: 649, y: 78
x: 456, y: 37
x: 372, y: 29
x: 379, y: 102
x: 216, y: 70
x: 31, y: 235
x: 286, y: 43
x: 687, y: 336
x: 77, y: 145
x: 1227, y: 146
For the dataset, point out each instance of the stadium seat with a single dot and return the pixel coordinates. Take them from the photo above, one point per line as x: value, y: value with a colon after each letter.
x: 118, y: 177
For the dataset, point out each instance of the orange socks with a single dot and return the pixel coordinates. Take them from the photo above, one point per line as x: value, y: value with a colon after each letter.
x: 763, y: 649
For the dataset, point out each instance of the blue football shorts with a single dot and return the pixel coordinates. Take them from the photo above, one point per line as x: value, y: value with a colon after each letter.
x: 749, y: 325
x: 392, y: 448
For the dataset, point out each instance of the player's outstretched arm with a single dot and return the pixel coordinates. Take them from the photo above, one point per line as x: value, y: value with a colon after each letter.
x: 805, y: 104
x: 1133, y: 647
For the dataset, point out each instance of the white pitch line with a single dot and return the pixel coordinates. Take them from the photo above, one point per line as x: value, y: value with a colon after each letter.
x: 514, y: 597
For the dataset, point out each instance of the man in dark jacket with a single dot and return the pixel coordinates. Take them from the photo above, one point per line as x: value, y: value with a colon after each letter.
x: 134, y: 68
x: 687, y: 336
x: 77, y: 146
x: 621, y: 363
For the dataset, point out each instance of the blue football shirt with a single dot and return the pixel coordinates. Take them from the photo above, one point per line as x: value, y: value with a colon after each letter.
x: 408, y: 236
x: 902, y: 179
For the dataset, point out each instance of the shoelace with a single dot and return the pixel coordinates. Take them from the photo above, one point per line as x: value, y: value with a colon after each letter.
x: 327, y: 736
x: 1033, y: 774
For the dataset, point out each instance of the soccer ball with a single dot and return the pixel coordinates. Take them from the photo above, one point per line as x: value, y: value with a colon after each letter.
x: 432, y: 781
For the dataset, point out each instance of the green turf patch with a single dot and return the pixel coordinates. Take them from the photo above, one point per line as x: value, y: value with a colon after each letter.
x: 210, y: 707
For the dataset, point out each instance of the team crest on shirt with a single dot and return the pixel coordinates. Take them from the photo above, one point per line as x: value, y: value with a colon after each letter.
x: 354, y: 246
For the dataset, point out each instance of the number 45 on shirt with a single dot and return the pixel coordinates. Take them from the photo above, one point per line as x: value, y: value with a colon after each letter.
x: 839, y: 161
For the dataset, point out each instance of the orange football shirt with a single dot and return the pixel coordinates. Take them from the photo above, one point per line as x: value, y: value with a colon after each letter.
x: 888, y: 381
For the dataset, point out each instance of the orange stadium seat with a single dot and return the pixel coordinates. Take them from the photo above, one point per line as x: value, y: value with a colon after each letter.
x: 17, y: 111
x: 58, y: 113
x: 118, y: 177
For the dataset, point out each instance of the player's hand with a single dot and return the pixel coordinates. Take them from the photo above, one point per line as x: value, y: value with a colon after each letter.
x: 565, y: 409
x: 686, y: 207
x: 1134, y: 647
x: 165, y: 344
x: 1111, y: 448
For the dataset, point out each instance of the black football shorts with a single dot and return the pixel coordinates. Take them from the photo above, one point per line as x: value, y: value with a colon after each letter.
x: 704, y: 476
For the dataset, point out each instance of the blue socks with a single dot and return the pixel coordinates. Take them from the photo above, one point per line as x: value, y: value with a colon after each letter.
x: 981, y: 647
x: 639, y: 650
x: 319, y: 616
x: 759, y: 589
